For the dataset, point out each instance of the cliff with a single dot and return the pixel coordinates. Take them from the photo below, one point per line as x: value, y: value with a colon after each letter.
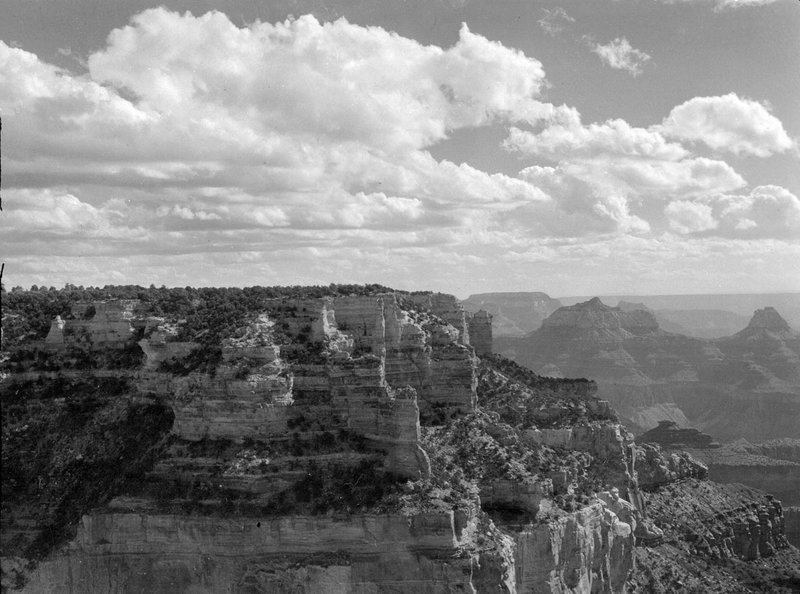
x: 773, y: 466
x: 318, y: 440
x: 746, y: 385
x: 713, y: 536
x: 792, y: 524
x: 668, y: 434
x: 513, y: 314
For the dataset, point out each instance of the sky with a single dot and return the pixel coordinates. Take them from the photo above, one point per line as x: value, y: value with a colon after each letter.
x: 576, y: 147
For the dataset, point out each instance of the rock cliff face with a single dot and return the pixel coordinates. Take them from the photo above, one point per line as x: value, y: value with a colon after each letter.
x: 513, y: 314
x: 766, y: 323
x: 336, y: 443
x: 710, y: 533
x: 668, y: 434
x: 773, y: 466
x: 101, y: 324
x: 123, y: 552
x: 747, y: 385
x: 792, y: 524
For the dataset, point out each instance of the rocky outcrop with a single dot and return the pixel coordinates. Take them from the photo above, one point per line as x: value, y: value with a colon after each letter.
x: 766, y: 322
x: 723, y: 520
x: 588, y: 551
x: 747, y: 385
x: 791, y: 517
x: 446, y: 307
x: 480, y: 332
x: 771, y: 466
x: 102, y: 324
x: 161, y: 344
x: 714, y: 537
x: 124, y: 552
x: 513, y: 314
x: 655, y: 469
x: 668, y: 434
x: 328, y: 442
x: 55, y: 337
x: 604, y: 324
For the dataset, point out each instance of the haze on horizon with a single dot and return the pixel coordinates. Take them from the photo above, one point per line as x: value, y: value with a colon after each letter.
x: 603, y: 148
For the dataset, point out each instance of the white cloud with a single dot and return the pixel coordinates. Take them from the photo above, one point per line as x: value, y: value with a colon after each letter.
x: 620, y: 55
x: 766, y: 211
x: 554, y: 21
x: 299, y: 152
x: 36, y: 214
x: 720, y: 5
x: 571, y: 138
x: 335, y: 79
x: 728, y: 123
x: 612, y: 176
x: 297, y: 124
x: 690, y: 217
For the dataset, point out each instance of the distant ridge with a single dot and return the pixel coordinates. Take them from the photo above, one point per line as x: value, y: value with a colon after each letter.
x: 721, y: 314
x: 513, y: 313
x: 744, y: 384
x: 766, y: 321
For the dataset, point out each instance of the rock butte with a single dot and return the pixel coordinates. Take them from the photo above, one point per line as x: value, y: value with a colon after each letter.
x: 742, y: 386
x: 239, y: 491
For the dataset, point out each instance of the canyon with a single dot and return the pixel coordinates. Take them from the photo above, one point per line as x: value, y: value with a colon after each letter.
x: 743, y: 386
x: 340, y: 439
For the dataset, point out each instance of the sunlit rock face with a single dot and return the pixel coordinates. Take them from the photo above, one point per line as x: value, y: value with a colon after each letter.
x: 338, y: 443
x: 746, y: 385
x: 714, y: 535
x: 124, y: 552
x: 103, y: 323
x: 588, y: 551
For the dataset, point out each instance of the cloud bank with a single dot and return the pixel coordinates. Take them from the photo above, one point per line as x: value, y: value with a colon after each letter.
x: 195, y: 151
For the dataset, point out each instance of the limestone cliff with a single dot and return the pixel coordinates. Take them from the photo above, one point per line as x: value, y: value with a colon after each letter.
x: 773, y: 466
x: 315, y: 440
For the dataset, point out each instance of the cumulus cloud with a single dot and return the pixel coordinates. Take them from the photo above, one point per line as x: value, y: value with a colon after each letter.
x: 766, y: 211
x: 297, y: 124
x: 728, y: 123
x: 612, y: 176
x: 620, y: 55
x: 334, y: 79
x: 568, y: 137
x: 690, y: 217
x: 37, y: 214
x: 301, y: 152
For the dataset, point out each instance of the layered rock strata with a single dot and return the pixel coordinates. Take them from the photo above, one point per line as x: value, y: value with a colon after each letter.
x: 343, y: 443
x: 771, y: 466
x: 792, y: 524
x: 746, y: 385
x: 125, y: 552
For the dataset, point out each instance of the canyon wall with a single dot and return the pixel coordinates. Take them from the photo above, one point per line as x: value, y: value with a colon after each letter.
x: 343, y: 443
